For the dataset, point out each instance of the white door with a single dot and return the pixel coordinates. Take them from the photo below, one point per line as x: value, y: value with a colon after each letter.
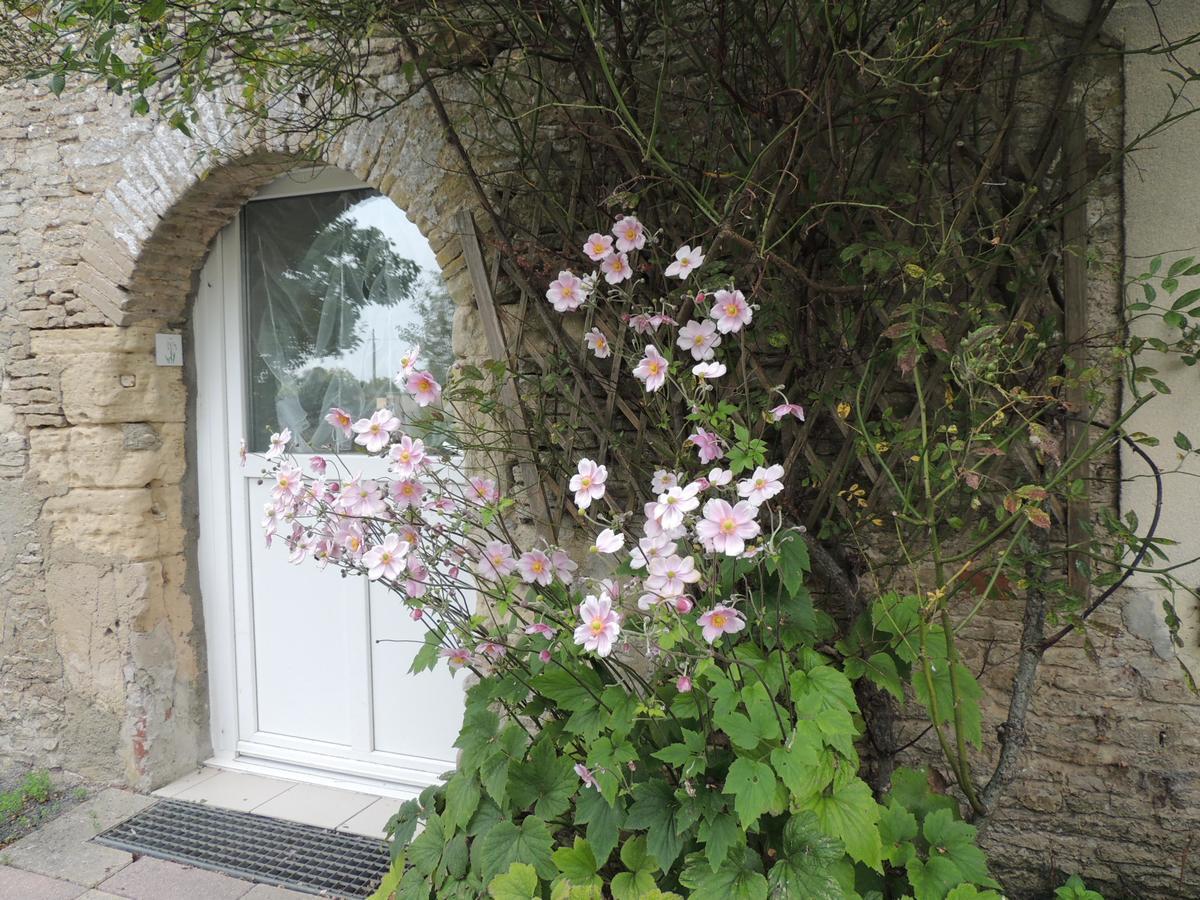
x: 306, y: 301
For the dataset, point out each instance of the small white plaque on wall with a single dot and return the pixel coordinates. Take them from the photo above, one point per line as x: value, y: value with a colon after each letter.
x: 168, y: 349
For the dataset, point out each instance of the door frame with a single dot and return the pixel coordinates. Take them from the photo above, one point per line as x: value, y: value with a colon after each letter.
x: 224, y: 554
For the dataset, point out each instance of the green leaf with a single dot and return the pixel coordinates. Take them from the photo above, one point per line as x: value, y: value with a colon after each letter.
x: 1075, y: 889
x: 576, y: 689
x: 911, y: 789
x: 793, y: 561
x: 403, y: 825
x: 427, y: 657
x: 425, y: 853
x: 656, y: 809
x: 1182, y: 441
x: 881, y: 670
x: 736, y: 880
x: 932, y: 879
x: 955, y: 841
x: 520, y: 882
x: 462, y: 799
x: 58, y: 83
x: 850, y: 813
x: 752, y: 786
x: 805, y: 870
x: 826, y: 686
x: 632, y: 885
x: 545, y: 780
x: 897, y: 826
x: 603, y: 822
x: 391, y: 881
x: 797, y: 761
x: 577, y: 863
x: 935, y: 667
x: 719, y: 837
x: 970, y: 892
x: 635, y: 856
x: 507, y: 843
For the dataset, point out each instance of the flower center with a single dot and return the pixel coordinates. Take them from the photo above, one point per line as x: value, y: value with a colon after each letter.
x: 719, y: 620
x: 586, y: 481
x: 537, y: 566
x: 728, y: 526
x: 731, y: 309
x: 686, y: 261
x: 597, y: 626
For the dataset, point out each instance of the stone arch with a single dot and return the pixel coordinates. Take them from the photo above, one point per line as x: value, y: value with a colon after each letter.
x: 113, y: 461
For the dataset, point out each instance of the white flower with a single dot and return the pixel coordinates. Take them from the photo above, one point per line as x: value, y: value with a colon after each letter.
x: 708, y: 370
x: 671, y: 507
x: 762, y: 485
x: 608, y: 541
x: 588, y: 483
x: 686, y: 261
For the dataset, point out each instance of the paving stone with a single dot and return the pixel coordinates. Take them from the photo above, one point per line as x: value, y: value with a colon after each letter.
x: 269, y: 892
x: 62, y: 848
x: 158, y: 879
x: 17, y: 883
x: 94, y: 894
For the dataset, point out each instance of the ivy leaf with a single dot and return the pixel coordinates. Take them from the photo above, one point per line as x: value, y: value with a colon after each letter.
x: 752, y: 786
x: 736, y: 880
x: 507, y: 843
x: 805, y: 871
x: 520, y: 882
x: 850, y: 812
x: 656, y: 810
x: 603, y: 822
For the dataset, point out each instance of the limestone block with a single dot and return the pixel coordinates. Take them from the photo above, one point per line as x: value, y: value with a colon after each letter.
x: 111, y: 524
x: 109, y: 375
x: 127, y: 455
x: 87, y: 633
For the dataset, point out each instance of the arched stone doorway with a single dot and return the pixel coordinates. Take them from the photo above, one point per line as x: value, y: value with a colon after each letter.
x: 111, y: 448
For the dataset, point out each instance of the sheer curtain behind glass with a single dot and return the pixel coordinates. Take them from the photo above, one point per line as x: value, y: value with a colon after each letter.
x: 328, y: 304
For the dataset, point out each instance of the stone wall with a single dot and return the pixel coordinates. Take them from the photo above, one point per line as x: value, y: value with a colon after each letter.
x: 104, y: 222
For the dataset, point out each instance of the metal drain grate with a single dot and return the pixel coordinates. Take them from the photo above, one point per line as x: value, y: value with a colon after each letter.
x: 256, y: 848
